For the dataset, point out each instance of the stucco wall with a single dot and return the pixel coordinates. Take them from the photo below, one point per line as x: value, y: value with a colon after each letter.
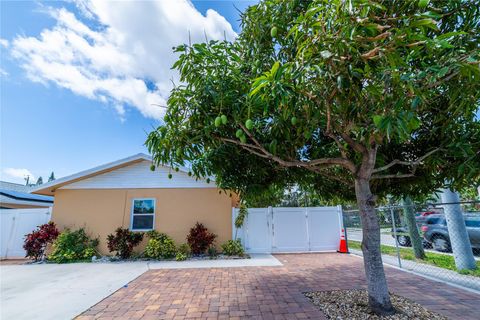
x: 101, y: 211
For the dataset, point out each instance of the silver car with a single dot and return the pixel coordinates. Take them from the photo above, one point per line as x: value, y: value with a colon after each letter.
x: 435, y: 231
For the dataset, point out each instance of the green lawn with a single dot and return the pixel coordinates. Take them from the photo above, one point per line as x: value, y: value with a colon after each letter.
x: 435, y: 259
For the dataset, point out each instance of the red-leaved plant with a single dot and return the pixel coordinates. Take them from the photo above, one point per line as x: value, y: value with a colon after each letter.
x: 123, y: 242
x: 200, y: 239
x: 36, y: 242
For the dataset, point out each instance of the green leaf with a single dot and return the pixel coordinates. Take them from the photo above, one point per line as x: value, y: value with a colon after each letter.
x: 377, y: 120
x: 414, y: 124
x: 416, y: 101
x: 258, y: 85
x: 429, y: 23
x: 442, y: 72
x: 275, y: 67
x: 423, y: 3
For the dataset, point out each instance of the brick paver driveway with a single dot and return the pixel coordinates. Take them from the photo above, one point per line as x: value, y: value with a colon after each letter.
x: 267, y: 292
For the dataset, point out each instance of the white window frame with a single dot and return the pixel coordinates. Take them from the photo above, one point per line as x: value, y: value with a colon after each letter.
x: 142, y: 214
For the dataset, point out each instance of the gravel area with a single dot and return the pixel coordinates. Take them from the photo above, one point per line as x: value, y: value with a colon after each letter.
x: 353, y: 304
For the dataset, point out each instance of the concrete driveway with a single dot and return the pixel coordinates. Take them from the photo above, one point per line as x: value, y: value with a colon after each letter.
x: 53, y: 291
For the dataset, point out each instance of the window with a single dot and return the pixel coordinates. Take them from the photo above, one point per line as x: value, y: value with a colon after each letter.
x: 472, y: 223
x: 143, y: 215
x: 434, y: 221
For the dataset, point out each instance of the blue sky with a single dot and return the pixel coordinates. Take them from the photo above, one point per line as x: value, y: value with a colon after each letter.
x: 79, y: 79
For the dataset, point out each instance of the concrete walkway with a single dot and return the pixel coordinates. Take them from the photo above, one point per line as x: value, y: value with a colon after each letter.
x: 256, y: 260
x: 436, y: 273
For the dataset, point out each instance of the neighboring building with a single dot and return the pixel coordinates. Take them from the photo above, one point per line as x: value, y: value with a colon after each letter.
x: 5, y: 185
x: 126, y: 193
x: 18, y: 196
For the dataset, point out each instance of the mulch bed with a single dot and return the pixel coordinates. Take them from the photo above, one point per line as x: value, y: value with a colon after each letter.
x: 353, y: 304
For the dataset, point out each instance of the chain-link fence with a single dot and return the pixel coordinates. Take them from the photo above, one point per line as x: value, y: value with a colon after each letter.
x: 439, y: 240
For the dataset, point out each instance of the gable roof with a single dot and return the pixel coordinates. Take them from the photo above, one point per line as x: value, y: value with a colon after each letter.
x: 17, y: 195
x: 50, y: 187
x: 5, y: 185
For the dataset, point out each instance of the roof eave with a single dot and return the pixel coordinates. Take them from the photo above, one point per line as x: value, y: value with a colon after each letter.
x: 50, y: 187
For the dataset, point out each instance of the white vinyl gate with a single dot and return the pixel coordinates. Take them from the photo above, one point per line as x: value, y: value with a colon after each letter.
x: 15, y: 224
x: 267, y: 230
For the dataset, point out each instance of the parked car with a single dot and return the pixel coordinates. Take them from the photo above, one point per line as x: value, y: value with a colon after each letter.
x: 435, y: 231
x: 403, y: 235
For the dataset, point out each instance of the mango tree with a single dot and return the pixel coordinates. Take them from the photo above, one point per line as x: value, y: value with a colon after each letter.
x: 354, y: 98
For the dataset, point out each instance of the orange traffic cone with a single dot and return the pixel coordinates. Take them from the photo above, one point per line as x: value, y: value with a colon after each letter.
x: 343, y: 243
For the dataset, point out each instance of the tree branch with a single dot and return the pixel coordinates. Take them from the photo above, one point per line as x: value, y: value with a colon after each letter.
x: 355, y: 145
x: 260, y: 151
x: 392, y: 176
x: 343, y: 150
x: 406, y: 163
x: 333, y: 177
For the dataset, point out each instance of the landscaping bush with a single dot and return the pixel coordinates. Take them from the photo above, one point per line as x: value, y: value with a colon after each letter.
x: 184, y: 249
x: 159, y: 246
x: 123, y: 242
x: 212, y: 252
x: 73, y: 246
x: 200, y: 239
x: 233, y: 248
x: 36, y: 242
x: 181, y: 256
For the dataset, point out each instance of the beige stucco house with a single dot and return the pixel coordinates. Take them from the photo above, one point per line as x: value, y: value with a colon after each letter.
x: 126, y: 193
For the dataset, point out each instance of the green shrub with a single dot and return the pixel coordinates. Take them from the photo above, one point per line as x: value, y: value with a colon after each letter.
x: 233, y: 248
x: 123, y: 242
x: 73, y: 246
x: 212, y: 252
x: 181, y: 256
x: 184, y: 248
x: 159, y: 246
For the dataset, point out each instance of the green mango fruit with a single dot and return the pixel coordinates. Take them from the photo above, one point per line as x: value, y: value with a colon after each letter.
x: 294, y: 120
x: 243, y: 139
x: 179, y: 152
x: 239, y: 133
x: 249, y: 124
x: 176, y: 169
x: 189, y: 173
x: 274, y: 32
x: 224, y: 119
x: 152, y: 167
x: 170, y: 176
x: 218, y: 122
x: 208, y: 180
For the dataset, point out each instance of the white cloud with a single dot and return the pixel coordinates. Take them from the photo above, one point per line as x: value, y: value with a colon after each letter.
x: 18, y: 174
x: 4, y: 43
x: 115, y: 48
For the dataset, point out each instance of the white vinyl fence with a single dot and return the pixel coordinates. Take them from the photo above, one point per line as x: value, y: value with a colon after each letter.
x: 311, y: 229
x: 15, y: 224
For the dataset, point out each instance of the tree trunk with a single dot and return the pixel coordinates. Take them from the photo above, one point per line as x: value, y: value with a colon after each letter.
x: 415, y: 239
x: 378, y: 296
